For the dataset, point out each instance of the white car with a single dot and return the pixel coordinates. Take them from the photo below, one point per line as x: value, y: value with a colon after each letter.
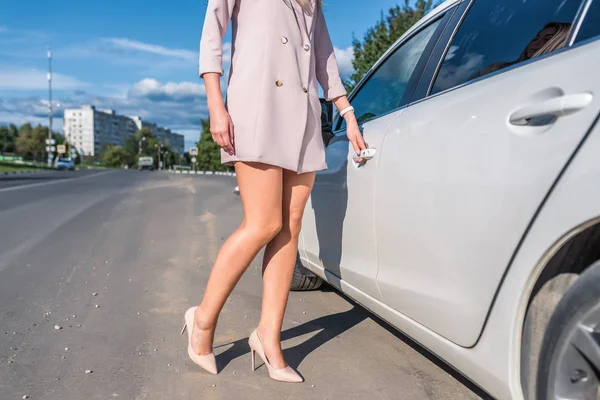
x: 475, y: 226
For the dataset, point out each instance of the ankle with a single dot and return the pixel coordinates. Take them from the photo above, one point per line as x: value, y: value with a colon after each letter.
x: 269, y: 336
x: 203, y: 323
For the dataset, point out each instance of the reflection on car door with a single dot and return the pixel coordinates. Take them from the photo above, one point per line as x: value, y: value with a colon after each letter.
x: 463, y: 173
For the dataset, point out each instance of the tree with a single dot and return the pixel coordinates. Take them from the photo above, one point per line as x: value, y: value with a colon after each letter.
x: 209, y: 153
x: 380, y: 37
x: 132, y: 143
x: 116, y: 156
x: 31, y: 142
x: 8, y: 138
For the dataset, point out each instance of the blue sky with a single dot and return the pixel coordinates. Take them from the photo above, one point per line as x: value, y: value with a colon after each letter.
x: 137, y: 57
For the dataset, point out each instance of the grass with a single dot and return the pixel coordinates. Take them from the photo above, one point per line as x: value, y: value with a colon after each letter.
x: 7, y: 166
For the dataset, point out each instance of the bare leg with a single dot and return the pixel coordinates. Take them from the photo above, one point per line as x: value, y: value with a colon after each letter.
x: 279, y: 263
x: 261, y: 195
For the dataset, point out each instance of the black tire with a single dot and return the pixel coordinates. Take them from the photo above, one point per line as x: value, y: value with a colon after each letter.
x: 569, y: 359
x: 303, y: 279
x: 536, y: 322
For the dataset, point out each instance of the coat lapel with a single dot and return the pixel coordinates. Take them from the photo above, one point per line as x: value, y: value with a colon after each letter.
x: 303, y: 18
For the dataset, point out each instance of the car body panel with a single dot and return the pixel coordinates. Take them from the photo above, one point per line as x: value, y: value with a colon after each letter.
x: 337, y: 224
x: 458, y: 185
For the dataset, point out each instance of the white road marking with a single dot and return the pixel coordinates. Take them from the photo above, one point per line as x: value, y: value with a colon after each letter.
x: 12, y: 188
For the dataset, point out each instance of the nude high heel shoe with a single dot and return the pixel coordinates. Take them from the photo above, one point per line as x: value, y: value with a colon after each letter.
x: 207, y: 362
x: 286, y: 374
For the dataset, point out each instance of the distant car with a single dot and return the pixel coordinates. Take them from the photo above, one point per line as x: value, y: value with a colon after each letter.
x: 146, y: 163
x: 236, y: 190
x: 64, y: 164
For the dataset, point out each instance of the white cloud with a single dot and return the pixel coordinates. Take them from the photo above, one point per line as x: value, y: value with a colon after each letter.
x: 12, y: 78
x: 174, y: 91
x: 178, y: 106
x: 344, y: 59
x: 130, y: 44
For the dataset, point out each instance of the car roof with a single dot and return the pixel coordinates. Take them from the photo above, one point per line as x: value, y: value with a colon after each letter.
x: 432, y: 14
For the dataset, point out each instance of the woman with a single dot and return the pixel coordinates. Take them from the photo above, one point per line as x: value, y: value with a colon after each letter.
x: 269, y: 129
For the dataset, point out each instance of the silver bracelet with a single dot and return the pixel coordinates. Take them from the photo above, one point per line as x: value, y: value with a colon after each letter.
x: 346, y: 111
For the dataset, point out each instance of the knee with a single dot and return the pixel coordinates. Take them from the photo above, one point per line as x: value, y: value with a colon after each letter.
x: 266, y: 230
x: 293, y: 222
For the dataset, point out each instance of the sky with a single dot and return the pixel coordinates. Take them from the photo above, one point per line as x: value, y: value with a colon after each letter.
x: 136, y: 57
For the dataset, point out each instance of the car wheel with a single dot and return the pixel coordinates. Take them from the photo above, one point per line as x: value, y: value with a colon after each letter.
x: 303, y: 279
x: 535, y: 325
x: 569, y: 363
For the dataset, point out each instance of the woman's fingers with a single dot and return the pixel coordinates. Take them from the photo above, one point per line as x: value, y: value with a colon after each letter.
x: 217, y: 138
x: 358, y: 144
x: 231, y: 136
x: 226, y: 143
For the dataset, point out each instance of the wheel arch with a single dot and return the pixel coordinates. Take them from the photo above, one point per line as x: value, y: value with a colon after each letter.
x: 556, y: 271
x: 564, y: 256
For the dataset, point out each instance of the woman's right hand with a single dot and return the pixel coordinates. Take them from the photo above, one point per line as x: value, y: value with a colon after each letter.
x: 221, y: 129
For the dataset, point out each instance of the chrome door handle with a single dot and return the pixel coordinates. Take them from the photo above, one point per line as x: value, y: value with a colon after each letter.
x: 367, y: 154
x: 557, y: 107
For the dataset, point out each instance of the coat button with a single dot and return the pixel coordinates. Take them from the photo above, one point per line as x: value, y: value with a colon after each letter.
x: 307, y: 47
x: 305, y: 90
x: 284, y: 40
x: 278, y: 83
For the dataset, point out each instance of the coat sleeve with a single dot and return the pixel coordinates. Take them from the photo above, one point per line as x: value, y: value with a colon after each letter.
x: 218, y: 15
x: 328, y: 73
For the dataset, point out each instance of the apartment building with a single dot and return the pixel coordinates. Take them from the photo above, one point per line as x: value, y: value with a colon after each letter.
x: 164, y: 135
x: 89, y: 130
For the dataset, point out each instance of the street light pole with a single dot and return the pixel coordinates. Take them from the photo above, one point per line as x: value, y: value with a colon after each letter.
x: 140, y: 146
x: 49, y: 107
x: 159, y: 147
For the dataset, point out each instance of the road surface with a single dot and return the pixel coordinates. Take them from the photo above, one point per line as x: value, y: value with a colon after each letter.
x: 98, y: 267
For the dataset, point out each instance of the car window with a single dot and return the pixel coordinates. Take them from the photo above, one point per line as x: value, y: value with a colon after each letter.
x: 498, y: 34
x: 591, y: 24
x: 385, y: 89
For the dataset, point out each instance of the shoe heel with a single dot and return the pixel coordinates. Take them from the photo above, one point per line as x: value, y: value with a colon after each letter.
x: 253, y: 356
x: 183, y: 329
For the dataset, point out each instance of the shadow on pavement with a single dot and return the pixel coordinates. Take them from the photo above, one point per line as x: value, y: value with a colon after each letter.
x: 329, y: 327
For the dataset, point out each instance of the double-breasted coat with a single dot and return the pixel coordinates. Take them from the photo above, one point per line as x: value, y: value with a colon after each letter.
x: 279, y: 52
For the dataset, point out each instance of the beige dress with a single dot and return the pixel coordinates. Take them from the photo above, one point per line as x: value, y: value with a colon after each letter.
x: 279, y: 53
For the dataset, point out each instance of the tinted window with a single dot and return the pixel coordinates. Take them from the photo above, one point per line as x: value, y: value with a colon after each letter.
x: 498, y: 34
x: 386, y: 87
x: 591, y: 23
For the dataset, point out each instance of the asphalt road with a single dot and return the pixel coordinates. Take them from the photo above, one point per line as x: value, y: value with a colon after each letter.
x: 98, y: 267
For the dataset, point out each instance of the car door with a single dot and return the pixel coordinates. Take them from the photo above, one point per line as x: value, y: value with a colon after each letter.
x: 463, y: 171
x: 338, y: 232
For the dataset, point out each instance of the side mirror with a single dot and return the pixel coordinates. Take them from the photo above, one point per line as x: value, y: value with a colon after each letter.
x: 326, y: 120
